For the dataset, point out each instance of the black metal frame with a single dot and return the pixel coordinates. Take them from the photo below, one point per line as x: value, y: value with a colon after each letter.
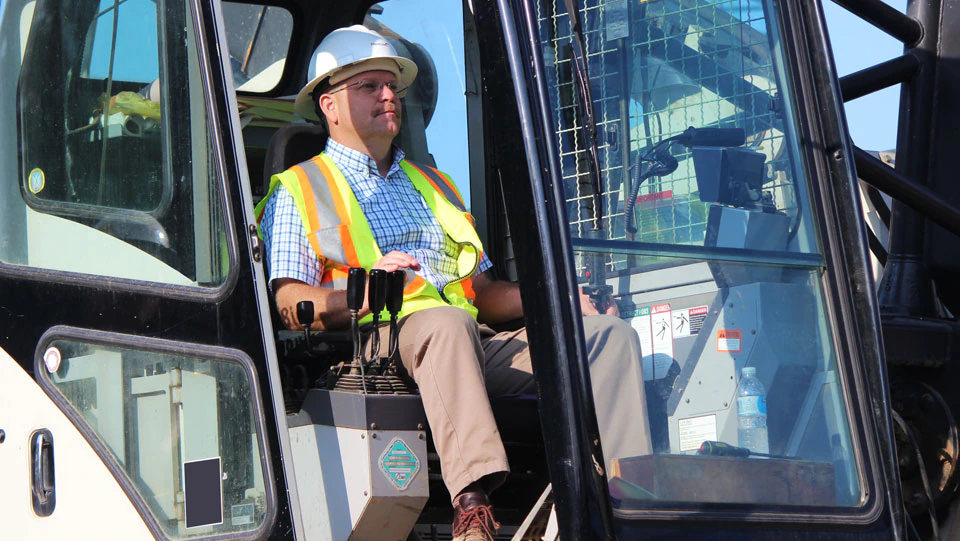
x: 906, y: 291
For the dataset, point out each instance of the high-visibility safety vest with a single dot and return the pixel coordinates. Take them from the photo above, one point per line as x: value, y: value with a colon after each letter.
x: 341, y: 236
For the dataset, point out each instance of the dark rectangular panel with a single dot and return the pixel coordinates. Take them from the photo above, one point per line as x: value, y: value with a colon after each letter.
x: 202, y: 492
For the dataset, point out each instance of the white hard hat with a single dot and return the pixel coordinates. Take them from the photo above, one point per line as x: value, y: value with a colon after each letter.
x: 346, y: 52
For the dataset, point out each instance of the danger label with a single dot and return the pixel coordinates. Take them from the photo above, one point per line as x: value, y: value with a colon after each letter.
x: 729, y: 341
x: 661, y: 328
x: 652, y: 197
x: 688, y: 321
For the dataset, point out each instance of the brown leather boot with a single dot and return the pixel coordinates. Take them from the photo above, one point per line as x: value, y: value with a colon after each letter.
x: 473, y: 517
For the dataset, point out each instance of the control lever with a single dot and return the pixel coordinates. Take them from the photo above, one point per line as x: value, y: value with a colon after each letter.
x: 394, y: 304
x: 305, y: 317
x: 378, y: 298
x: 356, y: 288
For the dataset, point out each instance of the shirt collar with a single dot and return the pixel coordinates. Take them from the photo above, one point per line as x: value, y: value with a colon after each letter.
x: 348, y: 158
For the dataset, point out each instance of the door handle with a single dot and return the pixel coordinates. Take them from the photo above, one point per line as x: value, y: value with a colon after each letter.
x: 44, y: 491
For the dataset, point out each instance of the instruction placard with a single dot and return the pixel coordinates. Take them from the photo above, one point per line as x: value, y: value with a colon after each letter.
x: 616, y: 21
x: 641, y: 324
x: 696, y: 430
x: 729, y: 341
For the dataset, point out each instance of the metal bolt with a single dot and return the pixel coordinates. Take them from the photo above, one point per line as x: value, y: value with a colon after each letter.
x: 418, y: 435
x: 364, y: 492
x: 725, y: 404
x: 373, y: 426
x: 419, y: 426
x: 373, y: 435
x: 688, y: 401
x: 3, y: 435
x: 363, y: 436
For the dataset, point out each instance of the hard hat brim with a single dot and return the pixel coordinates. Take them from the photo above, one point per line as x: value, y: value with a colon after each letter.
x: 304, y: 104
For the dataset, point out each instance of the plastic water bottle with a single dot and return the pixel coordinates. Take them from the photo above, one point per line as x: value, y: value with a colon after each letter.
x: 752, y: 412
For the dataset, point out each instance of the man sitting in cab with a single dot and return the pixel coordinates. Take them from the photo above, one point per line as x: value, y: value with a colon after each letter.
x: 359, y: 203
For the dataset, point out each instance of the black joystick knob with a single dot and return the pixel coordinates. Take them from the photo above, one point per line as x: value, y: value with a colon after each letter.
x: 305, y: 317
x: 378, y: 291
x: 305, y: 313
x: 395, y: 292
x: 356, y: 288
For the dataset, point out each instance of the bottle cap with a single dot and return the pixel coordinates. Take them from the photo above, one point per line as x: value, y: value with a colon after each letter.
x: 749, y: 372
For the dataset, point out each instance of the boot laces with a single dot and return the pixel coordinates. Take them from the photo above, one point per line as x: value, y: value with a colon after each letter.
x: 480, y: 517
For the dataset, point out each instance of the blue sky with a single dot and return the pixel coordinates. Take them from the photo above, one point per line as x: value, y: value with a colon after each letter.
x: 872, y: 119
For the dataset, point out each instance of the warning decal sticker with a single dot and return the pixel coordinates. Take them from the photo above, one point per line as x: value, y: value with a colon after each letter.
x: 698, y: 315
x: 729, y: 341
x: 688, y: 321
x: 399, y: 463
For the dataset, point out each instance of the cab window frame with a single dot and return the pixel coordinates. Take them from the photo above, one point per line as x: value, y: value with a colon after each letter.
x: 143, y: 344
x: 218, y: 201
x: 294, y: 49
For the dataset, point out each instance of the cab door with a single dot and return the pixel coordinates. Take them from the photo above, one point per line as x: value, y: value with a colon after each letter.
x: 690, y: 157
x: 140, y: 393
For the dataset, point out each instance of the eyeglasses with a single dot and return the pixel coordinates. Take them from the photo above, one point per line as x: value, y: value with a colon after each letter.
x: 367, y: 87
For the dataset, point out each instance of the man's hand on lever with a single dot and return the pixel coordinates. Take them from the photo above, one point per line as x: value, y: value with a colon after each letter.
x: 330, y: 305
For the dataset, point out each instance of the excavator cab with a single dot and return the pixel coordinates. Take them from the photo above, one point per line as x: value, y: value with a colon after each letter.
x: 683, y: 162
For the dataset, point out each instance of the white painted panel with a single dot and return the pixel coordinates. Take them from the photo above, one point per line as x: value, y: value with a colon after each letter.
x: 89, y: 500
x: 60, y: 244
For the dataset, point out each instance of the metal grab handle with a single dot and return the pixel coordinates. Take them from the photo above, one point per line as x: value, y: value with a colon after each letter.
x: 40, y: 468
x: 44, y: 484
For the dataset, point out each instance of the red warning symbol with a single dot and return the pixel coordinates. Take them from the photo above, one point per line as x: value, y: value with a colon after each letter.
x: 729, y: 341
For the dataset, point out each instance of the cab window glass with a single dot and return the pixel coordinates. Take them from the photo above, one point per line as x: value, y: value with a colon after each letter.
x: 700, y: 226
x: 435, y: 108
x: 164, y: 415
x: 258, y: 37
x: 115, y: 162
x: 136, y: 35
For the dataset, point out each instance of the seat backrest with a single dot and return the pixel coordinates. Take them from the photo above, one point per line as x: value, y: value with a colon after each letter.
x: 290, y: 145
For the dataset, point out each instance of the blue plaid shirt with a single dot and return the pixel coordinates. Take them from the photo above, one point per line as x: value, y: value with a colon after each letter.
x: 399, y: 218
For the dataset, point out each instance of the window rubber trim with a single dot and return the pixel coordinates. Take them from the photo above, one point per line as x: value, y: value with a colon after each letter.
x: 194, y: 293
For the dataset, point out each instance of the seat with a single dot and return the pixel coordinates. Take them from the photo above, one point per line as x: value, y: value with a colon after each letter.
x: 290, y: 145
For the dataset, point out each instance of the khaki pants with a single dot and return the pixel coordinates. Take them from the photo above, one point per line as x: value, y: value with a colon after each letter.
x: 456, y: 363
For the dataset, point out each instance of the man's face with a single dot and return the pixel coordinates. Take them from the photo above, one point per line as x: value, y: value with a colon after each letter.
x: 365, y: 107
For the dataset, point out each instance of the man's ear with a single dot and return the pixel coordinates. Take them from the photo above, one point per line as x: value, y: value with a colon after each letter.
x: 328, y: 106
